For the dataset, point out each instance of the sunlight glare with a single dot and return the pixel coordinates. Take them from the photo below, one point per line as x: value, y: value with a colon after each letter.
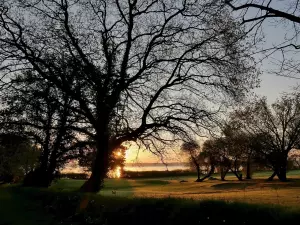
x: 118, y: 172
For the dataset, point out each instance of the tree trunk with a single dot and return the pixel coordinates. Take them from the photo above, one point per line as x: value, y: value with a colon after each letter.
x: 212, y: 169
x: 279, y: 164
x: 238, y: 175
x: 223, y: 172
x: 100, y: 165
x: 272, y: 176
x: 198, y: 173
x: 37, y: 178
x: 282, y: 173
x: 41, y: 176
x: 248, y: 172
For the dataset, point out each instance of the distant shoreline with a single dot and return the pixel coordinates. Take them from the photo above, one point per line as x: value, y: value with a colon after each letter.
x: 156, y: 164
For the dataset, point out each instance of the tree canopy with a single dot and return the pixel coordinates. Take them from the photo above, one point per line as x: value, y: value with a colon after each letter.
x: 276, y: 128
x: 146, y: 71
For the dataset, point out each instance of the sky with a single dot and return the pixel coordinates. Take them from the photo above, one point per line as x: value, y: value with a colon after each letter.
x: 271, y: 86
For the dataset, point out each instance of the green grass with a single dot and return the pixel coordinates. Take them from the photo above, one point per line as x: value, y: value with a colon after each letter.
x: 255, y: 191
x: 17, y: 208
x: 161, y: 200
x: 37, y: 206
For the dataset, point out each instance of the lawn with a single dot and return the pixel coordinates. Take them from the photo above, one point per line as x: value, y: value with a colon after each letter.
x: 147, y: 201
x: 257, y: 190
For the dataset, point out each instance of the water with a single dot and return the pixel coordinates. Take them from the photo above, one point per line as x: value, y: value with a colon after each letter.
x: 155, y: 167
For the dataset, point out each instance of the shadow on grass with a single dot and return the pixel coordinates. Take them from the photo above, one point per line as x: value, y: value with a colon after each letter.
x: 77, y: 208
x: 226, y: 186
x: 154, y: 182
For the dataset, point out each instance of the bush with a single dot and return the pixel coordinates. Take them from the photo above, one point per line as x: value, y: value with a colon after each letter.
x: 75, y: 176
x: 157, y: 174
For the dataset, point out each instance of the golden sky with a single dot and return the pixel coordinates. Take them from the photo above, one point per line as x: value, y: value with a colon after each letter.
x: 136, y: 155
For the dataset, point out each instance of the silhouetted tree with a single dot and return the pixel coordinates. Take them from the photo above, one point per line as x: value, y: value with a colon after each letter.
x: 217, y: 148
x: 200, y: 160
x: 266, y: 10
x: 279, y: 13
x: 117, y: 158
x: 43, y: 114
x: 193, y: 150
x: 277, y: 129
x: 239, y: 149
x: 135, y: 70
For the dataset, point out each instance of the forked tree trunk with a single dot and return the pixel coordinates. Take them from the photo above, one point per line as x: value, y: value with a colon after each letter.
x: 238, y: 175
x: 198, y: 173
x: 272, y: 176
x: 280, y: 169
x: 44, y: 174
x: 279, y: 164
x: 212, y: 169
x: 223, y: 172
x: 100, y: 165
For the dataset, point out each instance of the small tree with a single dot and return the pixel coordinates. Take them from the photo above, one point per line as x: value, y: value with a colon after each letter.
x: 232, y: 151
x: 200, y: 160
x: 239, y: 150
x: 43, y: 114
x: 217, y: 149
x: 18, y: 157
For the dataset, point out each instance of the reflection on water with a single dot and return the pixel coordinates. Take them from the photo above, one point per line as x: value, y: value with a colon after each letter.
x: 159, y: 167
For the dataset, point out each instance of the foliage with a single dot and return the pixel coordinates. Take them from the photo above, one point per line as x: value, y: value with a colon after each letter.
x: 43, y: 114
x: 199, y: 160
x: 294, y: 159
x: 156, y: 174
x: 77, y: 176
x: 218, y: 150
x: 17, y: 157
x: 117, y: 158
x: 276, y: 129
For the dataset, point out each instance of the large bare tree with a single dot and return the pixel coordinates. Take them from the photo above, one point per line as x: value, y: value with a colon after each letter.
x: 282, y: 15
x: 137, y: 70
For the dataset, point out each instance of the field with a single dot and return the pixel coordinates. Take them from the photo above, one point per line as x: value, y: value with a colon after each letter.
x: 269, y: 201
x: 257, y: 190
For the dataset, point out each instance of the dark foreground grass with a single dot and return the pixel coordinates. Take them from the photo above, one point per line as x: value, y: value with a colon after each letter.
x: 49, y: 207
